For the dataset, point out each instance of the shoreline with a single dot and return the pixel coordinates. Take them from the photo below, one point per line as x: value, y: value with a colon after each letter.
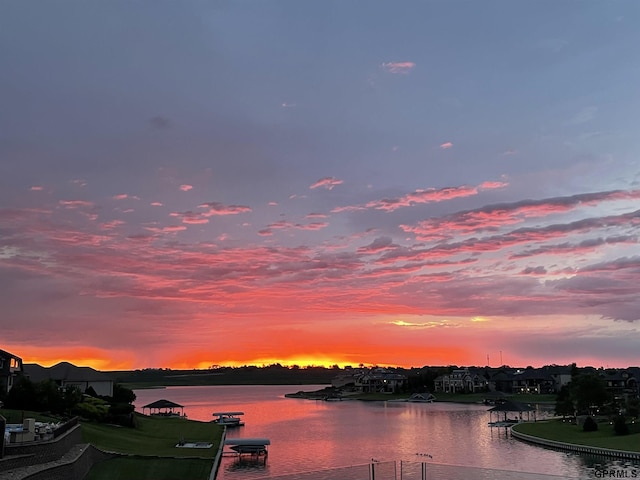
x: 574, y: 447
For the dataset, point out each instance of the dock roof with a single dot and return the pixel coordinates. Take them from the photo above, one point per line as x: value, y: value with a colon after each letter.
x: 163, y: 404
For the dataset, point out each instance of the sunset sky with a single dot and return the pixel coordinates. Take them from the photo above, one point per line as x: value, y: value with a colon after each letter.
x: 187, y: 184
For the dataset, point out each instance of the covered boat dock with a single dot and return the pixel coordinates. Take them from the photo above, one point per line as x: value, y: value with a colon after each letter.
x: 164, y: 408
x: 506, y: 407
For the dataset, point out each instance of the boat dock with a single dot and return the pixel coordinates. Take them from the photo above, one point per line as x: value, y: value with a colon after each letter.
x: 256, y: 447
x: 229, y: 419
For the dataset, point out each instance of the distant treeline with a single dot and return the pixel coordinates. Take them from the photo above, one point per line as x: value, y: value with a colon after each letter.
x: 419, y: 379
x: 247, y: 375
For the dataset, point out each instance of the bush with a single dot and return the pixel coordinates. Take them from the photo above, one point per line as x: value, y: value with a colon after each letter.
x: 92, y: 409
x: 121, y: 409
x: 620, y: 426
x: 589, y: 425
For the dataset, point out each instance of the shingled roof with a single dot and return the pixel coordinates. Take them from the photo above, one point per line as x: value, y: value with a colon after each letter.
x: 163, y: 404
x: 64, y: 371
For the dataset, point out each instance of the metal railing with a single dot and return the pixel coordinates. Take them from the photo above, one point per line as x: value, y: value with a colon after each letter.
x: 408, y: 470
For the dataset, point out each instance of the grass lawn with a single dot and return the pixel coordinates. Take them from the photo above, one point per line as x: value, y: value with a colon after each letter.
x: 155, y: 436
x: 568, y: 433
x: 151, y: 469
x: 17, y: 416
x: 479, y: 397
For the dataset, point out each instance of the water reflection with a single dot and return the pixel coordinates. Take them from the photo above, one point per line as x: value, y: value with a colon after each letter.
x: 311, y: 435
x: 247, y: 464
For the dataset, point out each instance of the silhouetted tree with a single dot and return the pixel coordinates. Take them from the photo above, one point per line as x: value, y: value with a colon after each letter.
x: 588, y: 391
x: 564, y: 402
x: 22, y: 395
x: 633, y: 407
x: 91, y: 391
x: 620, y: 426
x: 590, y: 425
x: 49, y: 397
x: 123, y: 394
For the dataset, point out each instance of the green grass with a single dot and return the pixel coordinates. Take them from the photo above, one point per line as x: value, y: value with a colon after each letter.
x: 17, y: 416
x: 154, y: 436
x: 569, y: 433
x: 479, y: 397
x: 150, y: 469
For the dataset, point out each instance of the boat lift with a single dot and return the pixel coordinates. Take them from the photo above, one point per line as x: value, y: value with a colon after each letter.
x: 230, y: 419
x: 255, y: 447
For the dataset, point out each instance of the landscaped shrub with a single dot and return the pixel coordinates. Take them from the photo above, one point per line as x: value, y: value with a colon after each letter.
x: 92, y: 409
x: 121, y: 409
x: 589, y: 425
x: 121, y: 414
x: 620, y: 426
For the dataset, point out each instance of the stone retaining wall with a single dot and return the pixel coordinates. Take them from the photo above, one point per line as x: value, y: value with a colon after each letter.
x: 30, y: 453
x: 73, y: 469
x: 575, y: 447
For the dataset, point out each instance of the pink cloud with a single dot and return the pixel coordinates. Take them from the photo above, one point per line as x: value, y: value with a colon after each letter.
x: 326, y: 182
x: 284, y: 225
x: 491, y: 217
x: 186, y: 188
x: 430, y: 195
x: 75, y: 203
x: 121, y: 196
x: 217, y: 208
x: 111, y: 225
x: 36, y: 188
x: 156, y: 204
x: 398, y: 67
x: 191, y: 218
x: 446, y: 145
x: 492, y: 185
x: 168, y: 229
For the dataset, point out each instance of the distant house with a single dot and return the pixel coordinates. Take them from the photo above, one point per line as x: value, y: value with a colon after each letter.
x: 461, y: 380
x: 66, y: 374
x: 379, y: 380
x: 10, y: 368
x: 561, y: 375
x: 621, y: 383
x: 532, y: 380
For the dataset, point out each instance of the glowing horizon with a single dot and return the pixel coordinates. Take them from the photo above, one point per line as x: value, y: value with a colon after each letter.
x: 279, y: 187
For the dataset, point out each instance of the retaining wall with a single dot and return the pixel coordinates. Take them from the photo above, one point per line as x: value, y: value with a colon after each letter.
x: 30, y: 453
x: 575, y: 447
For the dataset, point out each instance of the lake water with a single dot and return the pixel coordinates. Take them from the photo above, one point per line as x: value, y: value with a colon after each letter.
x: 310, y: 435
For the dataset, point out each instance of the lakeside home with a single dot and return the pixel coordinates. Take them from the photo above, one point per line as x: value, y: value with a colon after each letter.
x: 10, y: 368
x: 620, y: 382
x: 66, y: 374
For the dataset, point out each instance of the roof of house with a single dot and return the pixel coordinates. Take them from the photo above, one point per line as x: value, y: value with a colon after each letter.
x: 4, y: 353
x: 64, y: 371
